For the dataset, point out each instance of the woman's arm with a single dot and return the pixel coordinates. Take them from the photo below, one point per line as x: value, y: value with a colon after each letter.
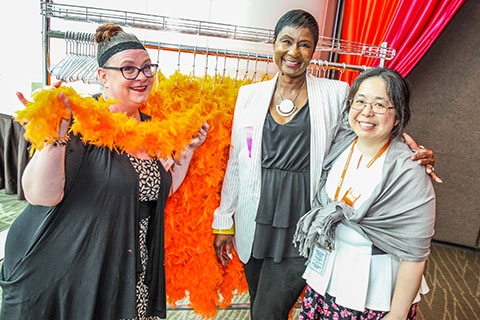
x: 180, y: 166
x: 409, y: 278
x: 43, y: 180
x: 223, y: 225
x: 223, y: 215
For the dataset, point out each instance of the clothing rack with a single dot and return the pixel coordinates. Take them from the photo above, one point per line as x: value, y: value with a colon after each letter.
x: 199, y: 28
x: 81, y: 56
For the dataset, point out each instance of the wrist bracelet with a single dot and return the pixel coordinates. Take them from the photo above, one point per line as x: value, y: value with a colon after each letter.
x: 59, y: 142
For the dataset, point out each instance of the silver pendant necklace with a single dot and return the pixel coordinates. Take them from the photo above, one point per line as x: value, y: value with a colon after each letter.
x: 286, y: 108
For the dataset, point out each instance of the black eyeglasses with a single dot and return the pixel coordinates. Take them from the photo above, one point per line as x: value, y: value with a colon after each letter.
x: 131, y: 73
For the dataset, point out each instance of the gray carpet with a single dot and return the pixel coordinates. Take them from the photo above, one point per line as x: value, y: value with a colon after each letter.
x: 452, y: 273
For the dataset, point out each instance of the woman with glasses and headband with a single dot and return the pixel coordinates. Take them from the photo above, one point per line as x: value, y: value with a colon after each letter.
x: 368, y: 236
x: 90, y: 245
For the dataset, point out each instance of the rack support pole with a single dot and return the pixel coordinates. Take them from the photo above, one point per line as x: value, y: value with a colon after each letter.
x: 46, y: 46
x: 383, y: 53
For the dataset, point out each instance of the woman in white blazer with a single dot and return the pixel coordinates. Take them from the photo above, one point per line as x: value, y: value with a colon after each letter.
x: 282, y: 130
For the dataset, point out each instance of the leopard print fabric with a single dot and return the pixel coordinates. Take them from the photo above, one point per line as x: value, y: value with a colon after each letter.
x: 148, y: 177
x: 149, y: 187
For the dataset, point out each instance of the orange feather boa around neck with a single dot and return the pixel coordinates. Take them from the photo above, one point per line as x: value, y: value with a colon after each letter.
x: 178, y: 106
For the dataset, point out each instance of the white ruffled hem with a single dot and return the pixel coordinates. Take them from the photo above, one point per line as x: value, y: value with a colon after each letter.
x: 356, y: 278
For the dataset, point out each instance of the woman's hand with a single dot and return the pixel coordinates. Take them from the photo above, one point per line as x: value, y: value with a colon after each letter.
x: 389, y: 316
x: 181, y: 164
x: 424, y: 157
x: 64, y: 123
x: 223, y: 248
x: 43, y: 180
x: 200, y: 138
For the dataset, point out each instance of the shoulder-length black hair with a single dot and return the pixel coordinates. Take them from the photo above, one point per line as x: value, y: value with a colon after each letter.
x: 397, y: 90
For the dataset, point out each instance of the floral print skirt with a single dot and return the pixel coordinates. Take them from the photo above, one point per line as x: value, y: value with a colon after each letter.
x: 317, y: 307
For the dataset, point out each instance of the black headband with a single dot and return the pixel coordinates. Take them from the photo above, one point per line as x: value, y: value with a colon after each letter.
x: 118, y: 48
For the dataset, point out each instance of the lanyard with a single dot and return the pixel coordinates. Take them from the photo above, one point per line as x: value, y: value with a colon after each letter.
x: 369, y: 164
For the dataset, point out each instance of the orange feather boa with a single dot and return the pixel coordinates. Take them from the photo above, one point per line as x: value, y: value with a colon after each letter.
x: 178, y: 106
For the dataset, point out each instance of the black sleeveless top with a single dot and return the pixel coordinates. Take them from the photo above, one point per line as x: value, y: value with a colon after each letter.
x: 285, y: 187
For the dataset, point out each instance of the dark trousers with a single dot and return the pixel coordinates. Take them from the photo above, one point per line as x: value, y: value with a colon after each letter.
x: 274, y: 287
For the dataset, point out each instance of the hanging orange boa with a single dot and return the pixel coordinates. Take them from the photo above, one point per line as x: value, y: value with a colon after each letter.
x: 190, y: 262
x: 178, y: 106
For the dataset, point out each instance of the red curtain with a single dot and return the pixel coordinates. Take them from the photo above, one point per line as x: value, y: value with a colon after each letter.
x: 416, y: 25
x: 409, y: 26
x: 365, y: 21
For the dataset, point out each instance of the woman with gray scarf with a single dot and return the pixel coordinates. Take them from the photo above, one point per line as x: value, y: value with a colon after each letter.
x: 369, y: 232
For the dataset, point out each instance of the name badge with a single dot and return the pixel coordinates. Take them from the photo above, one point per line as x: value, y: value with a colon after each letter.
x: 319, y: 259
x: 350, y: 197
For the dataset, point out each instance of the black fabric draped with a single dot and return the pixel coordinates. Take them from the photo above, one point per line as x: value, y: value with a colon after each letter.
x: 78, y: 260
x: 13, y: 155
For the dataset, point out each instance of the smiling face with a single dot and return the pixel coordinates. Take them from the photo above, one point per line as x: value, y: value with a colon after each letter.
x: 132, y: 93
x: 293, y: 50
x: 371, y: 128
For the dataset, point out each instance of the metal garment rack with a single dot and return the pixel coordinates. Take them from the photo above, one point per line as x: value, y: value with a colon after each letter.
x: 85, y: 43
x: 200, y: 28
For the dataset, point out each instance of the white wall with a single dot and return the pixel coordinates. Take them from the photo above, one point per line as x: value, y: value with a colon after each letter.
x: 21, y: 25
x: 21, y: 51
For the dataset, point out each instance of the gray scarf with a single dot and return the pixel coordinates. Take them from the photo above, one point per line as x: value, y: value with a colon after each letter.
x: 398, y: 217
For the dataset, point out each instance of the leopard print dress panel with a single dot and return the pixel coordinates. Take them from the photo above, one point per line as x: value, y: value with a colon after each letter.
x: 149, y: 187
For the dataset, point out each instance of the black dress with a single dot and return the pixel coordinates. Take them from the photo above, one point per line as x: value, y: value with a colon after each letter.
x: 285, y: 188
x: 80, y: 259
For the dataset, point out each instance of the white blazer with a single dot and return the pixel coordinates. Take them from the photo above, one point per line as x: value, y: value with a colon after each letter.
x: 242, y: 182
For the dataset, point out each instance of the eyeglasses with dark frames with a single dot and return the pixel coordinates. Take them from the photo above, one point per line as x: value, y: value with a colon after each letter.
x: 131, y: 73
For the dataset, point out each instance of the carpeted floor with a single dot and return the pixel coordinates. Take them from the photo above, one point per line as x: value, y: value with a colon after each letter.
x: 452, y: 273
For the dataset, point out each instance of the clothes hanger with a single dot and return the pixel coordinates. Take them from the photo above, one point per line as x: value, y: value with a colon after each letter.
x: 193, y: 65
x: 205, y: 73
x: 255, y: 68
x: 266, y: 67
x: 216, y: 69
x: 236, y: 71
x: 178, y: 64
x: 224, y: 65
x: 245, y: 76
